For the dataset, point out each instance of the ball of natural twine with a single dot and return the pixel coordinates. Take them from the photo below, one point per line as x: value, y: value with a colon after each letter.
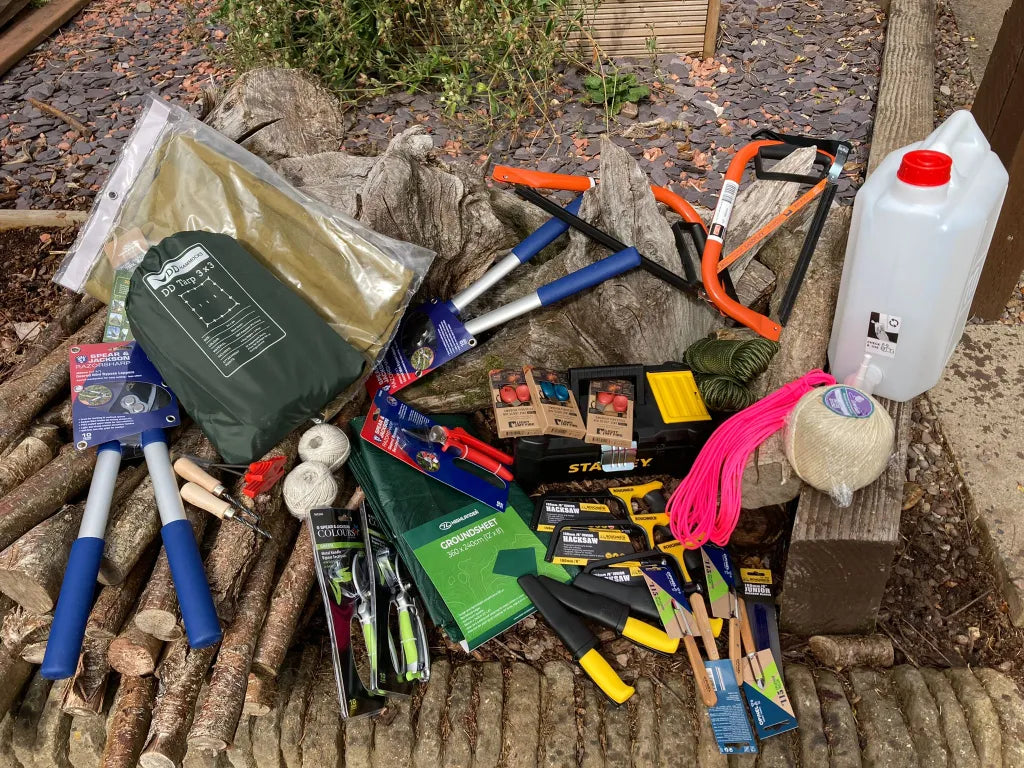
x: 326, y: 444
x: 838, y: 440
x: 308, y: 486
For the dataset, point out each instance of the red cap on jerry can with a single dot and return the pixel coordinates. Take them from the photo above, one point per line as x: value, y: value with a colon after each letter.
x: 925, y: 168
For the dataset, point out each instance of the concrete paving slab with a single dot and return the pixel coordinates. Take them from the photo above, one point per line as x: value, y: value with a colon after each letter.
x: 980, y: 403
x: 979, y: 19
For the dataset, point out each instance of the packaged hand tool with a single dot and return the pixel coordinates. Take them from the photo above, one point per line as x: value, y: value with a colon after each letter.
x: 611, y: 614
x: 402, y: 648
x: 720, y: 578
x: 580, y: 641
x: 79, y: 583
x: 670, y: 425
x: 609, y: 406
x: 451, y: 456
x: 346, y: 587
x: 435, y: 333
x: 554, y: 508
x: 586, y: 539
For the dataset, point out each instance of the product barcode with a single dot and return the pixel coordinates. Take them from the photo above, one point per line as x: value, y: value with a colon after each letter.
x: 729, y: 191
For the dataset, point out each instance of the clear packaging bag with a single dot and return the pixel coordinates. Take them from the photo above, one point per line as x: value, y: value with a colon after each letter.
x: 178, y: 174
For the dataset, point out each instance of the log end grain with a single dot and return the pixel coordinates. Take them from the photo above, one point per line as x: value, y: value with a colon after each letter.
x: 158, y: 623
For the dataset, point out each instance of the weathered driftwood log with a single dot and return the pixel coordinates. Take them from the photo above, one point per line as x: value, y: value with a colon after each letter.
x: 158, y: 612
x: 135, y: 524
x: 87, y: 740
x: 844, y: 651
x: 134, y: 652
x: 84, y: 692
x: 287, y: 602
x: 129, y: 722
x: 221, y: 707
x: 297, y: 703
x: 32, y: 568
x: 26, y: 719
x: 71, y: 316
x: 44, y: 493
x: 33, y: 453
x: 23, y: 398
x: 182, y: 671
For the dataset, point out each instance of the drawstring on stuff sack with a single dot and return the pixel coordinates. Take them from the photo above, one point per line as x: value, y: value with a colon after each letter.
x: 706, y: 504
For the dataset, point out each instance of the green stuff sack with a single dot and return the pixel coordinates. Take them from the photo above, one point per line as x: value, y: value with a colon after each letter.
x: 247, y: 357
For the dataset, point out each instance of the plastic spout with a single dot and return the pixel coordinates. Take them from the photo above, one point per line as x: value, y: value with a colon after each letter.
x: 867, y: 377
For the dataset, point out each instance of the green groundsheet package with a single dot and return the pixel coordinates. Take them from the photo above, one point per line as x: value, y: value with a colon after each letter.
x: 247, y: 357
x: 405, y: 499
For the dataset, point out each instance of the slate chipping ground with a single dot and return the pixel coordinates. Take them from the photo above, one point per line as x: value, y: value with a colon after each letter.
x: 794, y: 66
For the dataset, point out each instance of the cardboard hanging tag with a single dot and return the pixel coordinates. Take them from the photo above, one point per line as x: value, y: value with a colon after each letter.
x: 729, y: 717
x: 515, y: 414
x: 770, y: 707
x: 582, y: 544
x: 556, y: 405
x: 552, y: 510
x: 718, y: 576
x: 610, y: 405
x: 669, y: 600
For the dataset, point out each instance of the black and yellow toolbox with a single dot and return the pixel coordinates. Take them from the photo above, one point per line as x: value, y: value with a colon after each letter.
x: 670, y: 425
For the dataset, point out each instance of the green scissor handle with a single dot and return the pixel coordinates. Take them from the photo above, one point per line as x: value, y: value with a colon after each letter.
x: 407, y: 635
x: 370, y: 638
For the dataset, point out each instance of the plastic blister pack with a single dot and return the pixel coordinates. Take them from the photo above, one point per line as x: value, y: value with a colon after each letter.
x: 177, y: 174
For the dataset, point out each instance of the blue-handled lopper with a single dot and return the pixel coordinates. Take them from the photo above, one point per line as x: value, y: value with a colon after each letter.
x: 79, y: 585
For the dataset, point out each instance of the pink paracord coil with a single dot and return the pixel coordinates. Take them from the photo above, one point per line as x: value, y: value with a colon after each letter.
x: 706, y: 505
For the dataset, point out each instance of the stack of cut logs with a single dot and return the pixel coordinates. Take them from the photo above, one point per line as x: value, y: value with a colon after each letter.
x: 140, y: 694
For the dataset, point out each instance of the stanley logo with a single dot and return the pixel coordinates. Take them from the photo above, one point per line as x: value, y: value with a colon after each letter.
x: 595, y: 466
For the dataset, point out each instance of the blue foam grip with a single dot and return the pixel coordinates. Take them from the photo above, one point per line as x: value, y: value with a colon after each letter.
x: 546, y: 234
x: 589, y: 276
x: 197, y: 611
x: 73, y: 605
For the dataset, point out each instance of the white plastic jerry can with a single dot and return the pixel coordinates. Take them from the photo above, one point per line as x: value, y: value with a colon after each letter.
x: 921, y: 227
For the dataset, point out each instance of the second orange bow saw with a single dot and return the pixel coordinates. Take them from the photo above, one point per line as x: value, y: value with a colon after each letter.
x: 831, y: 153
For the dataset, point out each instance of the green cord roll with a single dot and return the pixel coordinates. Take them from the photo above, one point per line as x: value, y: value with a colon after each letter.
x: 723, y: 393
x: 742, y: 360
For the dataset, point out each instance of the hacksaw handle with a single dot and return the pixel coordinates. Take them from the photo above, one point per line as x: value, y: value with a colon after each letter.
x: 700, y: 673
x: 206, y: 501
x: 188, y: 470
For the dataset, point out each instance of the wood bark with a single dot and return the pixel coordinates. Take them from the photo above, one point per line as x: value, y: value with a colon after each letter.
x: 44, y: 493
x: 260, y: 693
x: 843, y: 651
x: 26, y: 720
x: 236, y: 549
x: 129, y: 722
x: 296, y: 704
x: 87, y: 740
x: 182, y: 672
x: 59, y: 416
x: 71, y: 316
x: 53, y: 733
x: 23, y: 398
x: 288, y: 599
x: 34, y: 635
x: 136, y: 523
x: 32, y: 568
x: 221, y: 707
x: 158, y: 612
x: 33, y: 453
x: 84, y: 692
x: 133, y: 653
x: 114, y: 604
x: 14, y: 671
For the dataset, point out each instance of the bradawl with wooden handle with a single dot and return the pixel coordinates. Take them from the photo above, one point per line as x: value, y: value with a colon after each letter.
x: 199, y: 497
